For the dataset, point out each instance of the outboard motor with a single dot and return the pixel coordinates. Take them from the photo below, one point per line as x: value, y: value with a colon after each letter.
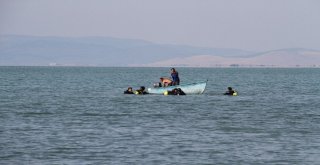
x: 157, y: 85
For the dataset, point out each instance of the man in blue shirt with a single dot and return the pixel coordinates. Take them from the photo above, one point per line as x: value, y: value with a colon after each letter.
x: 175, y: 77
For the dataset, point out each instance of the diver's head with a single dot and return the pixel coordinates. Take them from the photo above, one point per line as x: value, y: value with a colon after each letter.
x: 142, y: 88
x: 129, y: 88
x: 229, y: 88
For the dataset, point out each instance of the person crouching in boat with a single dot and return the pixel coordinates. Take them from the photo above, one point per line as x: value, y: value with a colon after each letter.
x: 128, y: 91
x: 165, y: 82
x: 141, y: 91
x: 175, y: 91
x: 231, y: 92
x: 175, y: 77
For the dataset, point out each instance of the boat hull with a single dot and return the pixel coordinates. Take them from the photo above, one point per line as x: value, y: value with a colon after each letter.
x: 195, y: 88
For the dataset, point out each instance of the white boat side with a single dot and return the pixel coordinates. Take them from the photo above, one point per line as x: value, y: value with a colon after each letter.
x: 194, y: 88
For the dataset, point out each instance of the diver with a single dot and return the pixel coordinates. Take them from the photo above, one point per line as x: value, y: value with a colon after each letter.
x: 175, y: 91
x: 141, y: 91
x: 231, y: 92
x: 128, y: 91
x: 179, y: 92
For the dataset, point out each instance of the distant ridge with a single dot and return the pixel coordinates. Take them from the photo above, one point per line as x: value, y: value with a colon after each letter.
x: 95, y: 51
x: 292, y: 57
x: 19, y: 50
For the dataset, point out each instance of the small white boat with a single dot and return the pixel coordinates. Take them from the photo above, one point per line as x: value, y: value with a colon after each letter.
x: 194, y: 88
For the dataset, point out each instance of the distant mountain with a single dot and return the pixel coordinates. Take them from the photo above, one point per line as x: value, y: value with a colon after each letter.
x: 96, y: 51
x: 295, y: 57
x: 107, y: 51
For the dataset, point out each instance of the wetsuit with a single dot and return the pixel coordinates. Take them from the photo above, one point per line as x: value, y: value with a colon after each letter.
x: 176, y: 91
x: 128, y: 92
x: 231, y: 92
x: 140, y: 92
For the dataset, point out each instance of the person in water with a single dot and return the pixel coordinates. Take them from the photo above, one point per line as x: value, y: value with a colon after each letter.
x: 128, y: 91
x: 141, y: 91
x: 175, y: 77
x: 231, y: 92
x: 175, y: 91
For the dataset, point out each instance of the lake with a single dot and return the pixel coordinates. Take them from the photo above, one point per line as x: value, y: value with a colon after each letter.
x: 79, y: 115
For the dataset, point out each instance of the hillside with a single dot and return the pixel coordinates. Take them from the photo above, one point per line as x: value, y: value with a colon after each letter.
x: 276, y: 58
x: 95, y: 51
x: 107, y: 51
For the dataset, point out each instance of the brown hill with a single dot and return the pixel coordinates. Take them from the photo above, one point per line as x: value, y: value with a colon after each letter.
x: 278, y: 58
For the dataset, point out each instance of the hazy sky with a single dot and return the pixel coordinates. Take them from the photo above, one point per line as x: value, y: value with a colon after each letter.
x: 245, y: 24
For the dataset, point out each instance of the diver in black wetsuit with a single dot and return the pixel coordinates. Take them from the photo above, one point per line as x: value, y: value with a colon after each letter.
x: 141, y: 91
x: 175, y: 91
x: 128, y: 91
x: 231, y: 92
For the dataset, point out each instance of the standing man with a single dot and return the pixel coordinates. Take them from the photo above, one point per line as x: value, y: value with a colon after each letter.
x: 175, y: 77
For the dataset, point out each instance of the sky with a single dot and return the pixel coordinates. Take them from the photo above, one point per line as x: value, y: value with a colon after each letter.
x: 256, y: 25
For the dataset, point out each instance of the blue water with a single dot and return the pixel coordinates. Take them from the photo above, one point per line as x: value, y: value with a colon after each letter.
x: 78, y: 115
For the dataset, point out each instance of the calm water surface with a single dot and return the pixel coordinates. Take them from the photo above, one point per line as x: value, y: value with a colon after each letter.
x: 78, y: 115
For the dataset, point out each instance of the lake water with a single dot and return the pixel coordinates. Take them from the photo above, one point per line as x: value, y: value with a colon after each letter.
x: 79, y: 115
